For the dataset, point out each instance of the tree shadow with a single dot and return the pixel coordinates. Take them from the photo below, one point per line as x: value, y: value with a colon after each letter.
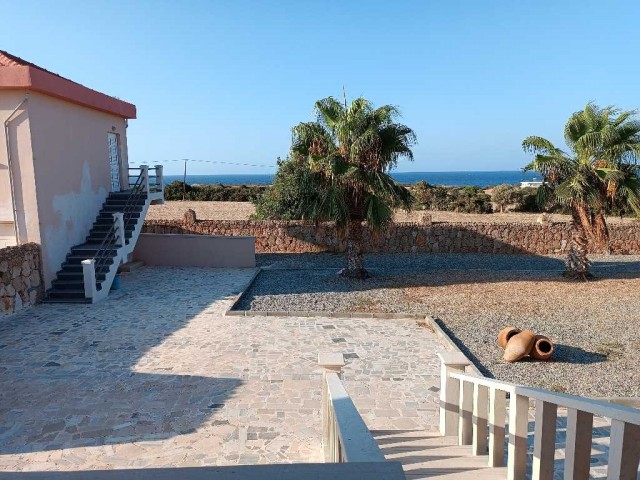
x: 80, y: 375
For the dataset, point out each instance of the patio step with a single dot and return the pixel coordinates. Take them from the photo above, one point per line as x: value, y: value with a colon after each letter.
x: 425, y: 454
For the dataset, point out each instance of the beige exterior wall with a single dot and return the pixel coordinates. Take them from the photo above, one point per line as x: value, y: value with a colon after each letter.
x: 196, y: 251
x: 22, y: 166
x: 72, y: 173
x: 61, y: 171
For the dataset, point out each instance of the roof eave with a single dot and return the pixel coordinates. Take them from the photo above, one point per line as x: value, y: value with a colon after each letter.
x: 30, y: 78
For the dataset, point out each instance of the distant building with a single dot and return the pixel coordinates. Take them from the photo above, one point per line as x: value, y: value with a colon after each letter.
x: 532, y: 184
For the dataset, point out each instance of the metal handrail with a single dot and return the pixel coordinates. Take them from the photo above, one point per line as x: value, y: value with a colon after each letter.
x: 108, y: 243
x: 110, y: 240
x: 137, y: 190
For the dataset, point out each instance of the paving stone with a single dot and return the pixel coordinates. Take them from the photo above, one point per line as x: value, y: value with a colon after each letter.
x: 156, y: 375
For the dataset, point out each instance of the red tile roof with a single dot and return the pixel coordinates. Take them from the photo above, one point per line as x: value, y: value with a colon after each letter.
x: 18, y: 74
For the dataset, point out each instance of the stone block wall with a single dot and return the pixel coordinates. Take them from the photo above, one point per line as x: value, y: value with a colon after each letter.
x: 20, y: 278
x: 299, y: 237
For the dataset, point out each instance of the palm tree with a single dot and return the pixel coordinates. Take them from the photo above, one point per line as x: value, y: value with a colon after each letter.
x: 349, y: 151
x: 598, y: 174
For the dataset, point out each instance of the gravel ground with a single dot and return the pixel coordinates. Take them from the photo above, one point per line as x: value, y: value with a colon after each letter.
x: 242, y: 210
x: 474, y: 296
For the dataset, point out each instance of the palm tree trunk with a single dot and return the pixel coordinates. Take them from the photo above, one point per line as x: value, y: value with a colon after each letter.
x: 355, y: 266
x: 582, y: 218
x: 577, y: 264
x: 601, y: 233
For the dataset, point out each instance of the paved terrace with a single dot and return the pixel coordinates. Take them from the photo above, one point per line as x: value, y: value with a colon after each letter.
x: 156, y: 376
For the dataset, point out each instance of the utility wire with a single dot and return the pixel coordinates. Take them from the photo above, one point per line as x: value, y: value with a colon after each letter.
x: 187, y: 160
x: 208, y: 161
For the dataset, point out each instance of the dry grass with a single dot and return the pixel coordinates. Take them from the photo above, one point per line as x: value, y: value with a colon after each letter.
x: 174, y: 210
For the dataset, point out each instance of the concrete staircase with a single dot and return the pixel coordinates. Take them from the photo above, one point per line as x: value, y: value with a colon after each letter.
x: 88, y: 272
x: 68, y: 287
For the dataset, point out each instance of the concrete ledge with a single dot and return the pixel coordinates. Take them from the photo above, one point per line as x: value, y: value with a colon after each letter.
x: 178, y: 250
x: 389, y: 470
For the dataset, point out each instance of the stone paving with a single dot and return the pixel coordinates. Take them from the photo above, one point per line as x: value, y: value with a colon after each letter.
x: 156, y: 376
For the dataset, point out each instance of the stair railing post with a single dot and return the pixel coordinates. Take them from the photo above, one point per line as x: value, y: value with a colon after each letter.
x: 144, y: 171
x: 159, y: 179
x: 450, y: 391
x: 118, y: 220
x: 330, y: 363
x: 89, y: 278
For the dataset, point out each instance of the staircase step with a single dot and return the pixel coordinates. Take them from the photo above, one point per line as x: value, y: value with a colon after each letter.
x: 426, y: 454
x: 124, y: 201
x: 60, y: 293
x: 91, y: 249
x: 77, y: 276
x: 107, y: 218
x: 77, y: 268
x: 66, y: 300
x: 77, y: 259
x: 105, y: 227
x: 107, y: 208
x: 124, y: 194
x: 68, y: 284
x: 97, y: 239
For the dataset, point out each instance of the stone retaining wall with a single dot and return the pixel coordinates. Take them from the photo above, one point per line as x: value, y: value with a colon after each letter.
x: 299, y: 237
x: 20, y: 278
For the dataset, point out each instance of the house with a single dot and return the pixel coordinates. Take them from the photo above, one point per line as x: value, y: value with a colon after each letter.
x: 65, y: 181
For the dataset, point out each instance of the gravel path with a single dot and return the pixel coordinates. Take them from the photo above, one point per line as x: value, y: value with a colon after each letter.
x: 596, y: 325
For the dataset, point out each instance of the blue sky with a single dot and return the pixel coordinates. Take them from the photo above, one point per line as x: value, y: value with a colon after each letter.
x: 226, y: 80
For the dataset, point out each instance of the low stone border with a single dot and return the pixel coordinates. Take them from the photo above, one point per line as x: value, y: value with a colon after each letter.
x: 423, y: 320
x: 241, y: 295
x: 427, y: 321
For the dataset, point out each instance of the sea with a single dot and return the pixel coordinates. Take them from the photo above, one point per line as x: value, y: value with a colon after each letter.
x: 478, y: 179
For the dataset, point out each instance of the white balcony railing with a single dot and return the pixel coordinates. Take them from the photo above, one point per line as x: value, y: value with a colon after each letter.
x: 470, y: 406
x: 346, y: 437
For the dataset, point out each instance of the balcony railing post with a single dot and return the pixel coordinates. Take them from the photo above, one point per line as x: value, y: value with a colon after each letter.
x: 480, y: 417
x: 144, y: 171
x: 118, y: 220
x: 544, y: 439
x: 517, y: 449
x: 159, y: 179
x: 497, y: 420
x: 624, y: 451
x: 577, y: 457
x: 450, y: 391
x: 330, y: 363
x: 89, y: 277
x: 465, y: 423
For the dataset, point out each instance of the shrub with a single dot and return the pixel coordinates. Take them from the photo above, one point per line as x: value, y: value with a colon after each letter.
x: 283, y: 199
x: 218, y: 193
x: 452, y: 199
x: 506, y: 196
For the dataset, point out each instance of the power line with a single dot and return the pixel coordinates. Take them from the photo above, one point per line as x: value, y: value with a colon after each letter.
x: 207, y: 161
